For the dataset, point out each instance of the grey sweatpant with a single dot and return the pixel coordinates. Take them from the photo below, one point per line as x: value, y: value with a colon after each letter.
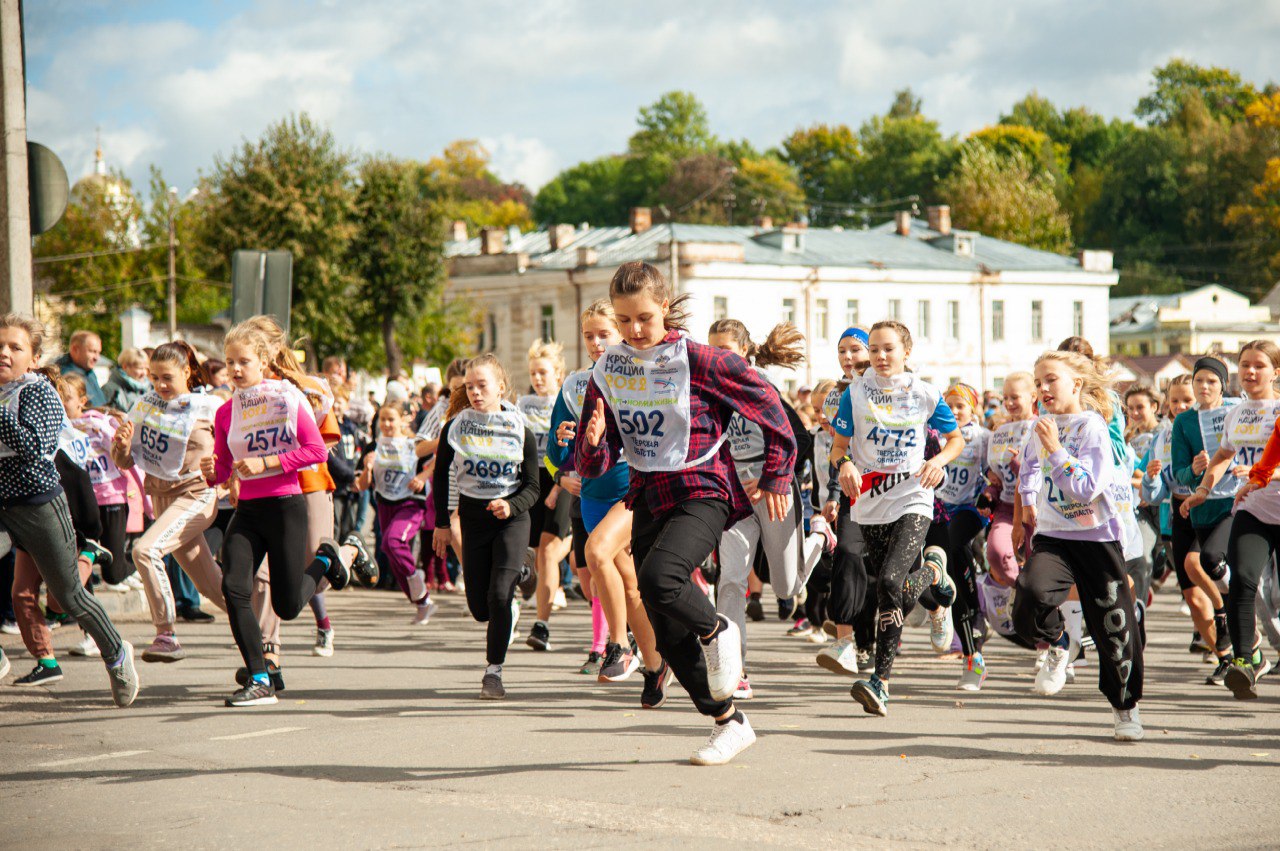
x: 45, y: 532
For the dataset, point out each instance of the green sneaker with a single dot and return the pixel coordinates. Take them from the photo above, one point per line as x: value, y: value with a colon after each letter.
x: 1242, y: 679
x: 873, y: 694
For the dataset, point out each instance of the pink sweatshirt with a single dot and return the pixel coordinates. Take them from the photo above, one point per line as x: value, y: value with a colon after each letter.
x: 310, y: 450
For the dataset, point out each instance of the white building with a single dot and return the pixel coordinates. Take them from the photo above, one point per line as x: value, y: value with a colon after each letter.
x: 1208, y: 319
x: 978, y: 307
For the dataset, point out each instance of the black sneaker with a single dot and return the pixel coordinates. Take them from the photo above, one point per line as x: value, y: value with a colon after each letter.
x: 365, y: 568
x: 102, y: 556
x: 337, y: 573
x: 54, y: 620
x: 1219, y: 673
x: 755, y: 609
x: 591, y: 667
x: 491, y: 687
x: 254, y: 693
x: 273, y: 671
x: 195, y: 615
x: 655, y: 687
x: 1242, y: 679
x: 788, y: 608
x: 539, y: 637
x: 618, y: 664
x: 40, y: 676
x: 1198, y: 645
x: 528, y: 582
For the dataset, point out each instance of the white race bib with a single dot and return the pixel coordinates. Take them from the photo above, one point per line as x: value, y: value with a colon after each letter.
x: 1003, y: 450
x: 489, y: 453
x: 537, y: 414
x: 162, y: 429
x: 264, y: 421
x: 101, y: 431
x: 1162, y: 451
x: 831, y: 404
x: 575, y: 391
x: 1057, y: 511
x: 822, y: 442
x: 1248, y: 428
x: 75, y: 444
x: 394, y: 464
x: 964, y: 476
x: 1212, y: 425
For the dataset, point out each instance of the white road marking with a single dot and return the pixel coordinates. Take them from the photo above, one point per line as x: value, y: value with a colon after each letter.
x: 256, y: 734
x: 114, y: 755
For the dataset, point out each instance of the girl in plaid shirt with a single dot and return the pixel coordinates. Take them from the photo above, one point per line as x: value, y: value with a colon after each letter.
x: 665, y: 402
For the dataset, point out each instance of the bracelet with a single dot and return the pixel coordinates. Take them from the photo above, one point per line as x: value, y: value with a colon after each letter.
x: 1202, y: 488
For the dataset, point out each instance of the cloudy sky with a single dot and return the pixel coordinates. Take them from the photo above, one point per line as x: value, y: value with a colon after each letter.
x: 546, y: 83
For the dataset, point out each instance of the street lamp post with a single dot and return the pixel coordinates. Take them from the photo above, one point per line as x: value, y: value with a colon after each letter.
x: 173, y: 265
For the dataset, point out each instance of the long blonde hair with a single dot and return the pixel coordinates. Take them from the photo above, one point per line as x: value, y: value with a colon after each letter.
x: 267, y: 339
x: 548, y: 350
x: 1095, y: 385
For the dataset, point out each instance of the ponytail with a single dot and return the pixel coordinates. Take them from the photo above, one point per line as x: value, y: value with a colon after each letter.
x: 782, y: 347
x: 180, y: 352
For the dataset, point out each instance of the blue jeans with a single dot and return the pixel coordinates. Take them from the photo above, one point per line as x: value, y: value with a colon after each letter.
x: 185, y: 595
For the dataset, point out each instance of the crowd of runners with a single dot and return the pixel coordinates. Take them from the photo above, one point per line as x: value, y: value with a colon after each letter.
x: 669, y: 483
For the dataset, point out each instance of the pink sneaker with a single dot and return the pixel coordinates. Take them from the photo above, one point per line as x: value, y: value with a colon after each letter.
x: 164, y: 649
x: 818, y: 525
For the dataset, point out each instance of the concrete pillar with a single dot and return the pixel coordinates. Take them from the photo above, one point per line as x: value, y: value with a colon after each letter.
x: 15, y: 204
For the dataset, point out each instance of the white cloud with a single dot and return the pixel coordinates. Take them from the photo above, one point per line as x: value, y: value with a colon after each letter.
x: 522, y: 160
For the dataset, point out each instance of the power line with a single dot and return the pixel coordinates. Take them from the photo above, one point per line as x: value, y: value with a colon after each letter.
x: 89, y: 255
x: 108, y: 288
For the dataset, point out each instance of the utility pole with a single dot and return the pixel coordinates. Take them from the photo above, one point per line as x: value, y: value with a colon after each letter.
x: 16, y: 293
x: 173, y: 265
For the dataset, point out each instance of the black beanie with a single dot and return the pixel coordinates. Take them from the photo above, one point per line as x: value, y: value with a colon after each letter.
x: 1215, y: 366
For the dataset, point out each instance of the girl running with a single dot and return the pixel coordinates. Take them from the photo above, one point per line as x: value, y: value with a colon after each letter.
x: 665, y: 402
x: 1253, y: 529
x: 496, y: 454
x: 549, y: 518
x: 885, y: 474
x: 264, y: 437
x: 1065, y: 482
x: 33, y: 507
x: 166, y: 434
x: 392, y: 469
x: 1197, y: 435
x: 791, y: 555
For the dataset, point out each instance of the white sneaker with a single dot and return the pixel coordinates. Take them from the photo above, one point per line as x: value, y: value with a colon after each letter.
x: 324, y: 643
x: 1071, y: 673
x: 840, y: 657
x: 817, y: 636
x: 941, y: 631
x: 4, y: 665
x: 515, y: 619
x: 424, y: 613
x: 85, y: 647
x: 1053, y: 676
x: 120, y: 588
x: 723, y: 657
x: 726, y: 742
x: 1128, y: 725
x: 9, y: 627
x: 1040, y: 659
x: 559, y: 601
x: 133, y: 582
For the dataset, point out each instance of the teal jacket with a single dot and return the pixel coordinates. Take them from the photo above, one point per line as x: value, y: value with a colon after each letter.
x: 1186, y: 445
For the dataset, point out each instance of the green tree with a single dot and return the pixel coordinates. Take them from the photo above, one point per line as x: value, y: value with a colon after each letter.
x: 462, y: 184
x: 291, y: 189
x: 1034, y: 145
x: 674, y: 126
x: 764, y: 185
x: 902, y: 156
x: 1224, y: 93
x: 1006, y: 197
x: 590, y: 191
x: 824, y: 157
x: 1256, y: 217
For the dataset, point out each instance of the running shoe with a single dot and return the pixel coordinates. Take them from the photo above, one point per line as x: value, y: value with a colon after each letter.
x: 324, y: 643
x: 591, y: 667
x: 365, y: 568
x: 539, y: 637
x: 9, y: 627
x: 873, y: 694
x: 1242, y: 679
x: 801, y: 629
x: 55, y: 620
x: 726, y: 742
x: 941, y: 631
x: 133, y: 582
x: 85, y: 647
x: 755, y: 609
x: 515, y: 619
x: 102, y: 556
x: 114, y: 588
x: 40, y: 676
x: 425, y: 610
x: 528, y: 581
x: 1198, y: 645
x: 974, y: 674
x: 829, y: 627
x: 195, y: 615
x: 864, y: 658
x: 1128, y: 725
x: 944, y: 590
x: 1219, y: 675
x: 165, y: 648
x: 559, y: 601
x: 1040, y: 657
x: 253, y: 693
x: 818, y: 526
x: 618, y: 664
x: 491, y: 687
x: 655, y: 687
x: 338, y: 574
x: 273, y: 671
x: 817, y: 636
x: 1053, y: 676
x: 840, y: 657
x: 4, y: 665
x: 124, y: 677
x: 723, y: 657
x: 787, y: 608
x: 743, y: 691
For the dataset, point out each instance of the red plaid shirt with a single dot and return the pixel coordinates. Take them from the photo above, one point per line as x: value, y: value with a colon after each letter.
x: 721, y: 384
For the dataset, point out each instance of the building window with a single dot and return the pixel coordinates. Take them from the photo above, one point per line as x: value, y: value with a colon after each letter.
x: 790, y: 386
x: 851, y: 313
x: 1037, y: 321
x: 547, y: 328
x: 953, y: 320
x: 1077, y: 318
x: 997, y: 320
x: 895, y: 309
x: 789, y: 310
x: 720, y: 308
x: 820, y: 313
x: 998, y: 383
x: 922, y: 319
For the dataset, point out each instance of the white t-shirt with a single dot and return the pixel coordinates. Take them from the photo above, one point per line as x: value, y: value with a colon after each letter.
x: 1248, y: 428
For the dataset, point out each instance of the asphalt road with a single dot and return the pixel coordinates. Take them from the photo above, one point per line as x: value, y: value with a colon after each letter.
x: 385, y: 746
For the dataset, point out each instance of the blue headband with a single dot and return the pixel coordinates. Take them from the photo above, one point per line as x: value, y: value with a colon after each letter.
x: 856, y: 333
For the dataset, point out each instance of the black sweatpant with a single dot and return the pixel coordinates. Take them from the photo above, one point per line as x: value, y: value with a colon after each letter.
x: 115, y: 519
x: 848, y: 570
x: 666, y: 551
x: 346, y: 507
x: 492, y: 555
x: 893, y: 555
x: 1182, y: 542
x: 274, y: 527
x: 965, y: 525
x: 1097, y: 569
x: 1250, y: 549
x: 1213, y: 547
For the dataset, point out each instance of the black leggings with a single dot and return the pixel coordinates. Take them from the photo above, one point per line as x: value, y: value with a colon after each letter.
x: 666, y: 551
x: 115, y: 518
x: 848, y: 570
x: 1249, y: 552
x: 1097, y: 569
x: 492, y: 555
x: 893, y: 554
x: 274, y: 527
x: 965, y: 525
x: 1213, y: 547
x: 1182, y: 541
